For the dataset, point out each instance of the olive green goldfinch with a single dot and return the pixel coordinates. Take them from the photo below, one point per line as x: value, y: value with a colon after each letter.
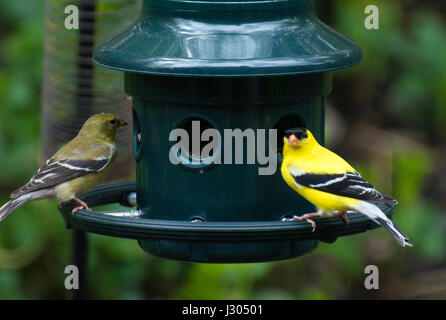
x: 78, y: 166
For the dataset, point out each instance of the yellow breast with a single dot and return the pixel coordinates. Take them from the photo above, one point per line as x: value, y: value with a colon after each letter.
x: 324, y: 201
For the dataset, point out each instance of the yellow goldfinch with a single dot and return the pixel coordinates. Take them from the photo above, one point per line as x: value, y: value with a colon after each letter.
x: 77, y: 167
x: 330, y: 183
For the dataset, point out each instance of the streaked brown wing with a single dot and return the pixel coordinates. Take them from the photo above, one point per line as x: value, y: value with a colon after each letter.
x: 56, y: 172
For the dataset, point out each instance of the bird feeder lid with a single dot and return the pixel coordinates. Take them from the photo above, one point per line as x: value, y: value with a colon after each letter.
x: 227, y: 38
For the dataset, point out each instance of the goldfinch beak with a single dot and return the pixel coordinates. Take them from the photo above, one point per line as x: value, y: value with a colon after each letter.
x: 293, y: 141
x: 122, y: 123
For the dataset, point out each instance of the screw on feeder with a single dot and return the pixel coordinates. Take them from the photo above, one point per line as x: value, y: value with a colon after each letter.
x: 131, y: 198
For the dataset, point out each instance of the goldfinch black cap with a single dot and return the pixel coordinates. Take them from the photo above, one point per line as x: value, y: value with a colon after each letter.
x: 299, y: 133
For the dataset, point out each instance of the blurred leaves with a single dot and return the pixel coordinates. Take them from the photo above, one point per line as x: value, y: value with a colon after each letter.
x: 404, y: 58
x: 421, y: 219
x: 20, y: 77
x: 222, y: 281
x: 377, y: 46
x: 420, y: 91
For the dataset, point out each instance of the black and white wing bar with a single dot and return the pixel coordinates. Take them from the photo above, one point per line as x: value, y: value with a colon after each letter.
x: 349, y: 184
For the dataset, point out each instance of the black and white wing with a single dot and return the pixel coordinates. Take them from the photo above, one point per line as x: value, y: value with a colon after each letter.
x: 54, y: 172
x: 349, y: 184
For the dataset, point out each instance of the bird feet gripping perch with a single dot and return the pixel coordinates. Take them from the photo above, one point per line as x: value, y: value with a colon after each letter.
x: 345, y: 218
x: 307, y: 217
x: 82, y: 205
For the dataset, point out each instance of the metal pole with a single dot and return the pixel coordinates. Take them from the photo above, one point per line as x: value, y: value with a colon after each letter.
x: 84, y: 107
x: 79, y: 258
x: 85, y: 48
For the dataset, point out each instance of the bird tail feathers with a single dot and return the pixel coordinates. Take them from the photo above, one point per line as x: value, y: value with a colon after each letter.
x: 374, y: 213
x: 13, y: 204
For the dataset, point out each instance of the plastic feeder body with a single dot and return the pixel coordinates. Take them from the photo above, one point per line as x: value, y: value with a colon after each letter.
x: 229, y: 65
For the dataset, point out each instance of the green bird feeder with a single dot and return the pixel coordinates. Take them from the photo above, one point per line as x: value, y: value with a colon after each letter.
x: 227, y: 64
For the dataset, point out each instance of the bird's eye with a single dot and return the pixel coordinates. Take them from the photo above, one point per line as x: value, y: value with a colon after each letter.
x: 113, y: 122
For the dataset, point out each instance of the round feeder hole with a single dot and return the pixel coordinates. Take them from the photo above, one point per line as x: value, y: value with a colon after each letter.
x: 137, y: 137
x: 286, y: 122
x: 194, y: 153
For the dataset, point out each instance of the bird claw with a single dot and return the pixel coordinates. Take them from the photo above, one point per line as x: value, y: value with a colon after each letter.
x: 62, y: 203
x: 313, y: 224
x: 345, y: 218
x: 83, y: 205
x: 75, y: 210
x: 307, y: 217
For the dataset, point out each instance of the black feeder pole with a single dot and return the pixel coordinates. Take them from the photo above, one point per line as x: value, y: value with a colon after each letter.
x: 84, y: 105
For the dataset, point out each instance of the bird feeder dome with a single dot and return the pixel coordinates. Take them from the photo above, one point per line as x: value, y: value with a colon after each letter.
x: 226, y: 64
x: 228, y: 39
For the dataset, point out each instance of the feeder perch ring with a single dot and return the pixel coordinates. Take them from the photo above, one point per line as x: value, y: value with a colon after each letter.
x: 131, y: 225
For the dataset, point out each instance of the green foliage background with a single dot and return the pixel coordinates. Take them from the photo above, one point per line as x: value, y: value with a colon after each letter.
x: 386, y: 116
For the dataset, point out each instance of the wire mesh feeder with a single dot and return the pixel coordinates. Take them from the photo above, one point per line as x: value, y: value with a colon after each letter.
x: 74, y: 88
x: 212, y: 241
